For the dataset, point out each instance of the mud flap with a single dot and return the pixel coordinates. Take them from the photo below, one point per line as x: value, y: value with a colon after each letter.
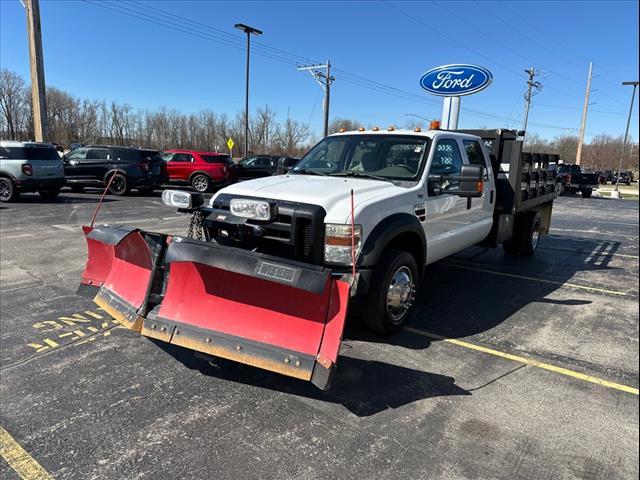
x: 279, y: 315
x: 120, y: 270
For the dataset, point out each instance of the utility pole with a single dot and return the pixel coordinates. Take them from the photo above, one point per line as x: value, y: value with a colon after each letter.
x: 584, y: 116
x: 616, y: 192
x: 249, y: 31
x: 533, y: 88
x: 36, y: 61
x: 325, y: 80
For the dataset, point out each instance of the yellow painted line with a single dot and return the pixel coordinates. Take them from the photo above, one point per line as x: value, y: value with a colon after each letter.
x: 19, y: 459
x: 92, y: 329
x: 51, y: 343
x: 541, y: 280
x: 79, y: 333
x: 93, y: 314
x: 527, y: 361
x: 622, y: 255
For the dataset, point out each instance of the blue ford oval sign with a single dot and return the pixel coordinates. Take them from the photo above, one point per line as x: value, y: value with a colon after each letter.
x: 456, y: 80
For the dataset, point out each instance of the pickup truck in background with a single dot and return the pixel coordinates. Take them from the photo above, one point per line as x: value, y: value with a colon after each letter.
x: 571, y: 179
x: 282, y: 259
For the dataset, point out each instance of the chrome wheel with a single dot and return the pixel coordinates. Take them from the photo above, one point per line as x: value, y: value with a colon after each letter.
x: 535, y: 236
x: 200, y: 183
x: 400, y: 294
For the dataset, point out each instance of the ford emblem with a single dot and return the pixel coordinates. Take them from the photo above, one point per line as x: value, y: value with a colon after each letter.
x: 456, y: 80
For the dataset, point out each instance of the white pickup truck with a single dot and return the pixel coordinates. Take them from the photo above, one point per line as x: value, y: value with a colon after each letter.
x: 418, y: 196
x: 270, y: 268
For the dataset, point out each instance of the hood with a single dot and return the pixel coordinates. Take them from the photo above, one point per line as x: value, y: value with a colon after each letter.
x: 331, y: 193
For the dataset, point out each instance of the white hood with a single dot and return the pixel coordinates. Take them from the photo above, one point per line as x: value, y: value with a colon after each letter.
x: 331, y: 193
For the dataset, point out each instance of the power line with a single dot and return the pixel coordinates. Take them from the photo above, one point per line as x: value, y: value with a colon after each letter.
x: 285, y: 57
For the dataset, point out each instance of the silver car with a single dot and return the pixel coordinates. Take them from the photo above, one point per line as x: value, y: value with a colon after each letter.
x: 29, y: 167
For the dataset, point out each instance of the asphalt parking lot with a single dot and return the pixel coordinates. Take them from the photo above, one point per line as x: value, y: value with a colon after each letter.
x: 511, y: 368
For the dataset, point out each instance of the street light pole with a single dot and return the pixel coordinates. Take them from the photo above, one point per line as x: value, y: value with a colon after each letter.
x: 249, y: 31
x: 616, y: 192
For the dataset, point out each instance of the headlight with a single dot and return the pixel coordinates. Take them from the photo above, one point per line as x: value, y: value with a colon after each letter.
x: 182, y: 199
x: 255, y: 209
x: 337, y: 243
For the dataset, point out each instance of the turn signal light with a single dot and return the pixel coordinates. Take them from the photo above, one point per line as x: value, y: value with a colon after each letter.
x: 480, y: 186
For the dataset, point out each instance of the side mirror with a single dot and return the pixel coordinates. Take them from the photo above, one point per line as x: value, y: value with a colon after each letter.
x: 285, y: 164
x: 470, y: 182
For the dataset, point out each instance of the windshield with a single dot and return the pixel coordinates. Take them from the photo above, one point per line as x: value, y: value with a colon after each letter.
x: 393, y: 157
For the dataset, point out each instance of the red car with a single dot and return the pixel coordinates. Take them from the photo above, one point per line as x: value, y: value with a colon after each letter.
x: 201, y: 170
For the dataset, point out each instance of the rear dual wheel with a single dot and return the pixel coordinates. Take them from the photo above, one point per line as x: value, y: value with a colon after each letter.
x: 526, y: 235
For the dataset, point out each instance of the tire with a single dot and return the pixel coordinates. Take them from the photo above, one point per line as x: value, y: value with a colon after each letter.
x: 77, y: 188
x: 586, y: 193
x: 559, y: 189
x: 8, y: 191
x: 50, y: 193
x: 200, y: 183
x: 395, y: 267
x: 528, y: 233
x: 119, y: 185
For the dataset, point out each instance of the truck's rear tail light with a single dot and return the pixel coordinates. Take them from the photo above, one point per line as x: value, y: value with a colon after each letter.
x: 27, y: 169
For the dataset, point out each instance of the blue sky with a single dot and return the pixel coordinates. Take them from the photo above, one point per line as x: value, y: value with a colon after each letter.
x: 96, y: 52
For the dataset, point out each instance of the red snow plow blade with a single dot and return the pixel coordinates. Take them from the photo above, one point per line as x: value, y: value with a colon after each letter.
x: 263, y: 311
x: 119, y: 267
x: 268, y: 312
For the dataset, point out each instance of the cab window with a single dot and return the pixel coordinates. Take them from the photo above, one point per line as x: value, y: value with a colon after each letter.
x: 78, y: 154
x: 181, y: 157
x: 446, y: 161
x: 474, y: 152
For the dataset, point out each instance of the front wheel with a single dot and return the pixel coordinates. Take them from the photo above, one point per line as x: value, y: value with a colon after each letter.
x: 393, y: 289
x: 8, y: 191
x: 49, y: 193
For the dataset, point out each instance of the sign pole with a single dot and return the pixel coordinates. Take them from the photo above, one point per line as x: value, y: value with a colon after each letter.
x: 450, y: 113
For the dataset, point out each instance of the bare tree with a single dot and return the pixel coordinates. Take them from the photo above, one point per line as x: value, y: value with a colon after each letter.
x: 290, y: 136
x: 343, y: 123
x: 12, y: 100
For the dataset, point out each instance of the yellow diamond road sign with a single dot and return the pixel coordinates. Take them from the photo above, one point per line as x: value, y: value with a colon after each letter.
x: 230, y: 143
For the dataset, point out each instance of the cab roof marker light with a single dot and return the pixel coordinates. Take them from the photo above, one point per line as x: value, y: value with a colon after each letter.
x: 417, y: 129
x: 391, y: 128
x: 434, y: 125
x: 375, y: 129
x: 361, y: 129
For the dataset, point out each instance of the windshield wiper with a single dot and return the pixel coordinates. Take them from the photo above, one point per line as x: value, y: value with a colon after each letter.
x: 361, y: 175
x: 309, y: 172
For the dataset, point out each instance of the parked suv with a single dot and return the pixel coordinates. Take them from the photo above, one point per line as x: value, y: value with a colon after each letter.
x: 201, y: 170
x: 93, y: 165
x: 29, y: 167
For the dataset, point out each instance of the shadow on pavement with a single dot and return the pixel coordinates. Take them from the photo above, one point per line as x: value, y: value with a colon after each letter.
x: 459, y: 300
x: 363, y: 387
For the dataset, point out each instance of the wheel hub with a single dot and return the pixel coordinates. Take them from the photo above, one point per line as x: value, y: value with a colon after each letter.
x: 400, y: 294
